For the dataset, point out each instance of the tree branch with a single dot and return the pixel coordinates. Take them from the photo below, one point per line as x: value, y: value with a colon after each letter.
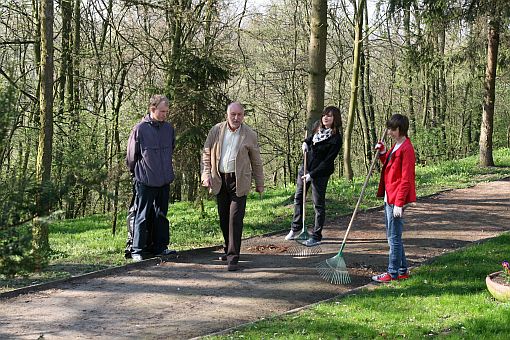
x: 2, y: 72
x: 17, y: 42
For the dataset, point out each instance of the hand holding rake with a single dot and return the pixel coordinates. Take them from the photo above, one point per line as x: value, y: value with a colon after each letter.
x: 300, y: 249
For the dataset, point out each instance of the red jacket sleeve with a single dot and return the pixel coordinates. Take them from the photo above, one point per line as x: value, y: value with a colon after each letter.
x: 406, y: 189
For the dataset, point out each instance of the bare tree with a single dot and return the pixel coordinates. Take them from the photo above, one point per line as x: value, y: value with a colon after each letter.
x: 317, y: 61
x: 487, y: 127
x: 358, y: 31
x: 44, y: 151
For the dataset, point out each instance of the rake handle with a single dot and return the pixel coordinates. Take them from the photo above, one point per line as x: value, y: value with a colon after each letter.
x: 355, y: 212
x: 303, y: 215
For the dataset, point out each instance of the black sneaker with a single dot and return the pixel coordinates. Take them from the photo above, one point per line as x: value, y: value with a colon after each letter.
x: 232, y: 267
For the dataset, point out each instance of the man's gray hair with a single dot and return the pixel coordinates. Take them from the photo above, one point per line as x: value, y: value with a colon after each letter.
x: 235, y: 104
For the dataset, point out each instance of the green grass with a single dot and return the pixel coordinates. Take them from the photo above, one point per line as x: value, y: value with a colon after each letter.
x: 87, y: 244
x: 446, y: 298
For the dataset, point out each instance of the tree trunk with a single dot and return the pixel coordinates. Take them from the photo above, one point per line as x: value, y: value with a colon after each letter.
x: 174, y: 52
x: 116, y: 139
x: 463, y: 142
x: 409, y: 68
x: 369, y: 96
x: 508, y: 137
x: 340, y: 90
x: 67, y: 13
x: 443, y: 91
x: 368, y: 91
x: 486, y: 129
x: 317, y: 62
x: 363, y: 112
x: 75, y: 94
x: 44, y: 150
x: 426, y: 97
x: 37, y: 36
x: 296, y: 101
x: 354, y: 90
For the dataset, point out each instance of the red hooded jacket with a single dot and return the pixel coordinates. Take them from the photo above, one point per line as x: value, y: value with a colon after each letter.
x: 398, y: 175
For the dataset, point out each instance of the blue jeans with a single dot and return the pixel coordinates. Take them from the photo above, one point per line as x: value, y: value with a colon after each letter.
x: 394, y: 225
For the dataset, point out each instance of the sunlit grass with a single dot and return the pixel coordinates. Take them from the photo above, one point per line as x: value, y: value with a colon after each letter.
x: 447, y: 298
x: 86, y: 244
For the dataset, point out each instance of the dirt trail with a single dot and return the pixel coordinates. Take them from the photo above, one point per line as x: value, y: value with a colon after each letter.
x: 193, y: 294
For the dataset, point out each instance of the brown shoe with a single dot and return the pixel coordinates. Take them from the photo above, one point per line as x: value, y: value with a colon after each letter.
x: 232, y: 267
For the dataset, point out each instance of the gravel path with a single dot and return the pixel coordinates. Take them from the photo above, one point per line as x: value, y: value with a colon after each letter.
x: 192, y: 294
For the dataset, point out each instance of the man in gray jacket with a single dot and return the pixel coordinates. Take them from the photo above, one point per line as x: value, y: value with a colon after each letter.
x: 149, y: 159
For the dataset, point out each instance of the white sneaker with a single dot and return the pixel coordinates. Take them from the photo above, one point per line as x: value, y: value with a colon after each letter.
x: 167, y: 252
x: 291, y: 235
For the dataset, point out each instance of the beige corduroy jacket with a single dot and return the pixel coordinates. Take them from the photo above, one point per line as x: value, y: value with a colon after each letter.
x: 248, y: 162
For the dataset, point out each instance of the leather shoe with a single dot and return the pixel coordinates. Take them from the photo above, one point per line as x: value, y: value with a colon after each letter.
x: 223, y: 257
x: 232, y: 267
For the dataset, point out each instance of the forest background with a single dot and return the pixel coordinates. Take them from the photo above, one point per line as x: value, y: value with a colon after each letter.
x: 76, y: 75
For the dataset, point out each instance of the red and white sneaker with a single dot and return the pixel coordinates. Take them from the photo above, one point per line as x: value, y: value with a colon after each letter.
x: 384, y: 277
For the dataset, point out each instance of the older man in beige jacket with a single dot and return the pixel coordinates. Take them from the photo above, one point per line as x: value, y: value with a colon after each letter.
x: 230, y: 159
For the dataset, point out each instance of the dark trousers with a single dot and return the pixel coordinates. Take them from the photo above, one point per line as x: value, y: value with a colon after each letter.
x: 231, y: 209
x: 319, y: 186
x: 150, y: 220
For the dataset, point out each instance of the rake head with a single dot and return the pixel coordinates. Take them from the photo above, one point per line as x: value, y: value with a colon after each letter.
x: 303, y: 235
x: 334, y: 270
x: 303, y: 251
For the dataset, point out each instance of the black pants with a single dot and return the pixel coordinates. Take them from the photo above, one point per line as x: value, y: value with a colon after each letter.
x: 150, y: 220
x: 231, y: 209
x: 319, y: 186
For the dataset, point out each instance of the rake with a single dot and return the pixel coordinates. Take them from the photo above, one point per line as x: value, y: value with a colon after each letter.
x: 303, y: 235
x: 334, y: 269
x: 300, y: 249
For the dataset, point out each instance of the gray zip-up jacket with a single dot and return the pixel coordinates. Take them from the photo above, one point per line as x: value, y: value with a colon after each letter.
x: 149, y: 152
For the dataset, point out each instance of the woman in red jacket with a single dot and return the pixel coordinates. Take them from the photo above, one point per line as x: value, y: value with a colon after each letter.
x: 397, y: 186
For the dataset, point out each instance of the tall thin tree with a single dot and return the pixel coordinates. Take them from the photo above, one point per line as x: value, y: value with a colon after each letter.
x: 44, y: 150
x: 487, y: 127
x: 317, y: 61
x: 358, y: 32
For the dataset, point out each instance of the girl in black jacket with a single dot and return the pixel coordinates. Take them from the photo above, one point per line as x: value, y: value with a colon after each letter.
x: 322, y: 147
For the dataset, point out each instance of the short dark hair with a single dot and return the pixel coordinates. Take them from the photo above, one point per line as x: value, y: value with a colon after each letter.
x: 158, y: 99
x: 398, y: 121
